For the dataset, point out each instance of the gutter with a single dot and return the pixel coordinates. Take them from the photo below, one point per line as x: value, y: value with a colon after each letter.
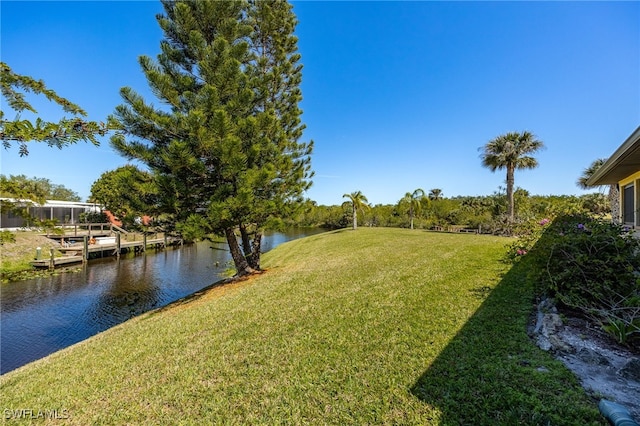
x: 614, y: 160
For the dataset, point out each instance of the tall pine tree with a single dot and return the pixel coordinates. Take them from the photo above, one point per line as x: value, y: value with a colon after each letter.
x: 224, y: 146
x: 278, y: 164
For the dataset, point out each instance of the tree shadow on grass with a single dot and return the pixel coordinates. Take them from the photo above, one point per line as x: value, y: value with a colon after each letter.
x: 491, y: 373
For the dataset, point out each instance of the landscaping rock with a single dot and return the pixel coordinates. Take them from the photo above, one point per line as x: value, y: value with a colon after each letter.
x: 631, y: 369
x: 547, y: 326
x: 604, y: 368
x: 592, y: 357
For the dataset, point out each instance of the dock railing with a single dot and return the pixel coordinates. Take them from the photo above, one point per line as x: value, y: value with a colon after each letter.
x: 80, y: 229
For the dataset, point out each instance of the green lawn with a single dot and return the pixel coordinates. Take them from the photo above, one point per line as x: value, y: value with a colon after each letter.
x: 374, y: 326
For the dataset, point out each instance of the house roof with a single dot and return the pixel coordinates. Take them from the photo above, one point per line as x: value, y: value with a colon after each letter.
x: 622, y: 163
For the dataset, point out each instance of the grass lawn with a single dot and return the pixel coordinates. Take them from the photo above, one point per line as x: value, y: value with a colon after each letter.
x: 376, y: 326
x: 16, y: 257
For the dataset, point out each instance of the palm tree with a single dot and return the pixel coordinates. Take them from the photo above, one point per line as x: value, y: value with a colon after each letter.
x: 414, y: 200
x: 511, y: 151
x: 588, y: 172
x: 435, y: 194
x: 614, y: 195
x: 358, y: 202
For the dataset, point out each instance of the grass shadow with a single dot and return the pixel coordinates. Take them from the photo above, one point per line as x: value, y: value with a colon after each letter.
x: 491, y: 373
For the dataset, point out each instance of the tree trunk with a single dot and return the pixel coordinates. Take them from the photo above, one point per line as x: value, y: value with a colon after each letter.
x: 251, y: 249
x: 510, y: 181
x: 242, y: 266
x: 246, y: 242
x: 355, y: 218
x: 411, y: 216
x: 254, y: 260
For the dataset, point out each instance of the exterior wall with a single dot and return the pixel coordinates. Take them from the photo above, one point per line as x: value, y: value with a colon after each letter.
x: 63, y: 213
x: 630, y: 200
x: 11, y: 220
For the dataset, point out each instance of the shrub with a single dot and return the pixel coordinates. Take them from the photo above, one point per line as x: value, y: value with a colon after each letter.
x: 50, y: 226
x: 591, y: 265
x: 7, y: 237
x: 93, y: 217
x: 528, y: 233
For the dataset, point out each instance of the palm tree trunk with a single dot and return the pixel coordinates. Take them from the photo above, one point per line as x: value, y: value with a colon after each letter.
x: 242, y: 266
x: 411, y: 215
x: 355, y: 218
x: 510, y: 182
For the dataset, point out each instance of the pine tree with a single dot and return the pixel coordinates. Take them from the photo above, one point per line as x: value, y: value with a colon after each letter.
x: 278, y: 165
x: 64, y: 132
x: 225, y: 148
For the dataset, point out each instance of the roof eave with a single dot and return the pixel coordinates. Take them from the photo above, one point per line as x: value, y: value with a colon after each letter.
x: 623, y: 162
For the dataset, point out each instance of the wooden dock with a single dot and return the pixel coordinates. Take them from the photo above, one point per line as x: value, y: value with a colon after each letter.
x: 57, y: 261
x: 80, y: 252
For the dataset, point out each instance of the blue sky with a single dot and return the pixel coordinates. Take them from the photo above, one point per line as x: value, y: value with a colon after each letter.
x: 397, y: 95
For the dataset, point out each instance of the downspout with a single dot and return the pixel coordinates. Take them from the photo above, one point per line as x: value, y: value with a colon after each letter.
x: 616, y: 414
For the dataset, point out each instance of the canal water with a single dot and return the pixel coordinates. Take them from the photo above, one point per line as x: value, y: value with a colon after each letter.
x: 43, y: 315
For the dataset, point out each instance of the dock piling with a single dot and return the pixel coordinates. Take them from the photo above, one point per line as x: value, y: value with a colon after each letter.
x: 51, y: 260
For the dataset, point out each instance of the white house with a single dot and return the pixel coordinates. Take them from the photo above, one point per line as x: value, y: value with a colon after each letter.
x: 64, y: 212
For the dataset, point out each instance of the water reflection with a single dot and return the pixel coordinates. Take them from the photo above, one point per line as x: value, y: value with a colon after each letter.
x: 43, y: 315
x: 132, y: 291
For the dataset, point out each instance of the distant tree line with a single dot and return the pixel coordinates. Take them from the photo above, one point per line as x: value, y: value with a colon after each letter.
x: 489, y: 214
x: 34, y: 189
